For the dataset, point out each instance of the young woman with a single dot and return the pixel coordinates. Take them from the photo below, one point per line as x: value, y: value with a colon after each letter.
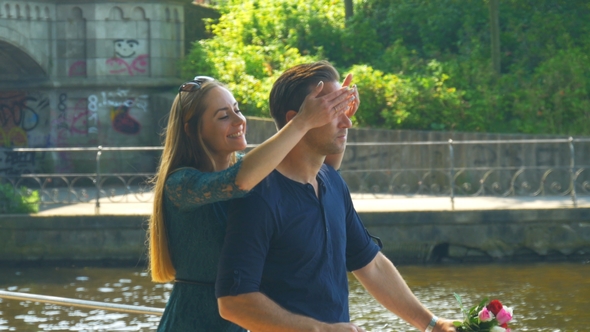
x: 199, y: 172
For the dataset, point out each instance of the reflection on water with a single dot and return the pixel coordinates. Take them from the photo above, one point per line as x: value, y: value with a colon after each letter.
x: 551, y: 297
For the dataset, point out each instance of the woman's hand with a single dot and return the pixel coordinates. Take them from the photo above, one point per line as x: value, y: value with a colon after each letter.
x: 355, y: 103
x: 318, y: 111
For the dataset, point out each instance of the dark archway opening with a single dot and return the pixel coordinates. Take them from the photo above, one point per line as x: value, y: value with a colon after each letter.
x: 18, y: 66
x: 439, y: 252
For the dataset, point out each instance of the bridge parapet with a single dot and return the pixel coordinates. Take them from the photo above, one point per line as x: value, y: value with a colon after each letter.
x: 25, y: 41
x: 90, y: 43
x: 27, y: 10
x: 106, y: 41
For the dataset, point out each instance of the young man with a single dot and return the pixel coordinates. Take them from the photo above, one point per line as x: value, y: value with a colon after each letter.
x: 291, y: 241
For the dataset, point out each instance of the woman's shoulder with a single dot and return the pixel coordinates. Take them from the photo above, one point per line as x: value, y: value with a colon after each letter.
x: 179, y: 172
x: 182, y: 173
x: 196, y: 187
x: 176, y: 175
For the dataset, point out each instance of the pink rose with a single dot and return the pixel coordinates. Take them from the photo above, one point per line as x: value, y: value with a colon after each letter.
x: 504, y: 315
x: 485, y: 315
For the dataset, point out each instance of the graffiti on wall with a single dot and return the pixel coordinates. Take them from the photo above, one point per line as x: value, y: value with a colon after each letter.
x: 69, y: 128
x: 119, y: 105
x: 130, y: 58
x: 122, y: 121
x: 20, y: 115
x: 77, y: 69
x: 79, y: 116
x: 15, y: 119
x: 75, y: 118
x: 17, y: 163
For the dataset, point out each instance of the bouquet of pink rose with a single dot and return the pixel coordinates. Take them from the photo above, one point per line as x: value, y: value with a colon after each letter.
x: 490, y: 317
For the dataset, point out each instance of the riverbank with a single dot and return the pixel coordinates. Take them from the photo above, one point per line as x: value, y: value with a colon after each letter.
x: 413, y: 230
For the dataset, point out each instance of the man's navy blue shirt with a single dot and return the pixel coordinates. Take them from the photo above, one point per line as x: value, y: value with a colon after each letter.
x: 285, y: 242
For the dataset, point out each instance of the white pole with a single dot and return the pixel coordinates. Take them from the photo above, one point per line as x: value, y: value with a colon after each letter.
x: 81, y: 303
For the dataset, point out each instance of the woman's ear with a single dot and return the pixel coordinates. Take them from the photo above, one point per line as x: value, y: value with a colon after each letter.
x: 290, y: 115
x: 187, y: 130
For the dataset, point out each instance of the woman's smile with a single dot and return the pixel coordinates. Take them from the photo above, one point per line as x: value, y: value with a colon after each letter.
x: 238, y: 134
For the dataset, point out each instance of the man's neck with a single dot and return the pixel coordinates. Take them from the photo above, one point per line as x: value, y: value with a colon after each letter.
x: 301, y: 165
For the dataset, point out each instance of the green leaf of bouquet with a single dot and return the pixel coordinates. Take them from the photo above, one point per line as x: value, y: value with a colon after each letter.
x: 458, y: 297
x: 483, y: 303
x: 465, y: 312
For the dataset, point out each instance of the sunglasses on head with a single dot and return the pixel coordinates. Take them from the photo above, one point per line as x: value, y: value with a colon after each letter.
x: 195, y: 84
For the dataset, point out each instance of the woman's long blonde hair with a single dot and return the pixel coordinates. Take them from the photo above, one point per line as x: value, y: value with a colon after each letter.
x: 180, y: 150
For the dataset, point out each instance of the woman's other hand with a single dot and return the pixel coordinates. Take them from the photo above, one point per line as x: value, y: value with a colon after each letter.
x: 355, y: 103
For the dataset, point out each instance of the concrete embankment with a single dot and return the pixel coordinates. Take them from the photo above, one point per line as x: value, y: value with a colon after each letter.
x: 73, y: 240
x: 533, y: 230
x: 483, y: 236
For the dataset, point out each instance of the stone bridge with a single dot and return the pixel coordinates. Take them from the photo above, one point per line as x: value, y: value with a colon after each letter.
x: 84, y: 73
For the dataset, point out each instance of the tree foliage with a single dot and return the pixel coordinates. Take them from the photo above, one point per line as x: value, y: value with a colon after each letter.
x: 419, y: 64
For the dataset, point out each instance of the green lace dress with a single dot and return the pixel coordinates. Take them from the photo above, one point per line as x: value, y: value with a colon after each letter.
x: 195, y: 206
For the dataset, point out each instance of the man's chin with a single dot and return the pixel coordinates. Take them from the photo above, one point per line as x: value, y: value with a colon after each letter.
x: 335, y: 150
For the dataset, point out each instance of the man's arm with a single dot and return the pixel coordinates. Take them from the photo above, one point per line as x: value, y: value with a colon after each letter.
x: 383, y: 281
x: 256, y: 312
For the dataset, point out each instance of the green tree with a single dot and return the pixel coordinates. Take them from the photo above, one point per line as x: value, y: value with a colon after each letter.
x: 419, y: 64
x: 256, y: 40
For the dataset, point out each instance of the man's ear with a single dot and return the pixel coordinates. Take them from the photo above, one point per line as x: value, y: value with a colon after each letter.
x: 290, y: 115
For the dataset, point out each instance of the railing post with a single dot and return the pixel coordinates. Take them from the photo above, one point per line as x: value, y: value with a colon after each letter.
x: 452, y: 173
x: 572, y: 175
x: 97, y: 180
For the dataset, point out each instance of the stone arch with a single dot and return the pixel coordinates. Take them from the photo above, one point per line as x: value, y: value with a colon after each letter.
x: 17, y: 14
x: 47, y: 14
x: 176, y: 15
x: 28, y: 12
x: 7, y: 10
x: 116, y: 14
x: 37, y: 12
x: 167, y: 14
x: 76, y: 14
x: 16, y: 62
x: 138, y: 14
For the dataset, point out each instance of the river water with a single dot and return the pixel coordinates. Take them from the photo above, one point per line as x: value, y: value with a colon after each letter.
x: 551, y: 297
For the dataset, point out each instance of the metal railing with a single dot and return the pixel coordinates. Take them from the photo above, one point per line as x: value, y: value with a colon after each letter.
x: 453, y: 174
x: 454, y: 179
x: 68, y: 188
x: 63, y: 301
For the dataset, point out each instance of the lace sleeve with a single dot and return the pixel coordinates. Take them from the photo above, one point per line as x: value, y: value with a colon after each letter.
x: 189, y: 188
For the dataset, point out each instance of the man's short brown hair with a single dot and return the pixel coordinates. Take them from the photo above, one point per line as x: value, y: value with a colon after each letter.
x: 289, y: 90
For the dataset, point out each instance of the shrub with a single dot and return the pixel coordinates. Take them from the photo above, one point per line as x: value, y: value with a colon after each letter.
x: 407, y: 101
x: 19, y: 200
